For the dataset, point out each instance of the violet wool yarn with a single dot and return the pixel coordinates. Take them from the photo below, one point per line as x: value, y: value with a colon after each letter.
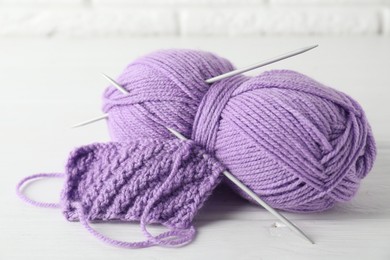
x: 298, y: 144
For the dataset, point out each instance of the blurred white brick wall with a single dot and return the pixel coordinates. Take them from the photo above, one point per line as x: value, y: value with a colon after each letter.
x: 102, y: 18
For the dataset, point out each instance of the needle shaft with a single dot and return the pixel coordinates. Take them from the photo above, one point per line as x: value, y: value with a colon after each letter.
x: 211, y: 80
x: 260, y: 64
x: 91, y: 120
x: 254, y: 196
x: 116, y: 84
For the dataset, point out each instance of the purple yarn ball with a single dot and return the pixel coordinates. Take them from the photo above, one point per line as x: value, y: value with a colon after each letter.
x: 298, y: 144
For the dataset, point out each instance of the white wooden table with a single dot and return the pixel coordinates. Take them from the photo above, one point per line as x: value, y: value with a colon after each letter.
x: 48, y: 85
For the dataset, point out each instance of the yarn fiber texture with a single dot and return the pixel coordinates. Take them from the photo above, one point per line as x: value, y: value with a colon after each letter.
x: 298, y: 144
x: 151, y: 181
x: 148, y: 181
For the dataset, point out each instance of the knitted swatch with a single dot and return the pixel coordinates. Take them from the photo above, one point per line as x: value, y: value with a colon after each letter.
x: 150, y: 181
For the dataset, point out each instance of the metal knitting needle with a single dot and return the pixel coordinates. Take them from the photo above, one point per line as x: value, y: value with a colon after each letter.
x: 254, y: 196
x: 105, y: 116
x: 211, y: 80
x: 260, y: 64
x: 116, y: 84
x: 90, y: 121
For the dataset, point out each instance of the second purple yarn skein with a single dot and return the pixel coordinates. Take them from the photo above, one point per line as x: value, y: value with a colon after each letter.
x: 298, y: 144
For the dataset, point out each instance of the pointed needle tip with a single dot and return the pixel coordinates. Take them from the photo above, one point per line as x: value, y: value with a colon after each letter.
x: 296, y: 229
x: 302, y: 234
x: 169, y: 129
x: 310, y: 241
x: 77, y: 125
x: 312, y: 47
x: 105, y: 116
x: 176, y: 133
x: 116, y: 84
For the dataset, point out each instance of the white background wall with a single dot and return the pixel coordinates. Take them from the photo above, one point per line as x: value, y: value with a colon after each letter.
x: 106, y: 18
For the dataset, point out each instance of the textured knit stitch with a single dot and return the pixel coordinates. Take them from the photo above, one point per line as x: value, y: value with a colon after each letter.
x: 148, y: 181
x: 118, y: 180
x: 298, y: 144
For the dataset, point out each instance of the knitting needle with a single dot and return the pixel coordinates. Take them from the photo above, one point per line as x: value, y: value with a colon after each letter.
x: 116, y: 84
x: 105, y: 116
x: 253, y: 195
x: 260, y: 64
x: 211, y: 80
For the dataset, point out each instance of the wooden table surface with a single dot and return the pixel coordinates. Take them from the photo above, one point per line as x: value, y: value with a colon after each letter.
x: 48, y: 85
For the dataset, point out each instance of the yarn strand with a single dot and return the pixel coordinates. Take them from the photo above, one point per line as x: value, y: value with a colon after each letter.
x: 172, y: 238
x: 23, y: 197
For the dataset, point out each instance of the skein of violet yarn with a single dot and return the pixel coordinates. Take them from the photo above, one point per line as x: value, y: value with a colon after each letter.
x: 298, y: 144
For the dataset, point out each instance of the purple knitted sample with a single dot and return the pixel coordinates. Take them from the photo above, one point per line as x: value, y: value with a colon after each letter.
x: 148, y: 181
x: 119, y: 180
